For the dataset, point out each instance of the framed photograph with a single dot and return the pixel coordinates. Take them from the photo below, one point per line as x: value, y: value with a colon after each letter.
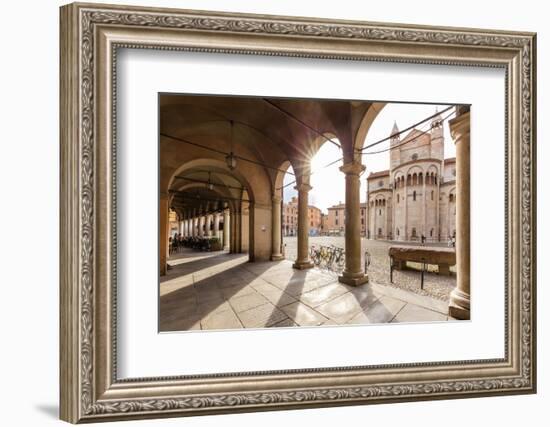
x: 266, y: 212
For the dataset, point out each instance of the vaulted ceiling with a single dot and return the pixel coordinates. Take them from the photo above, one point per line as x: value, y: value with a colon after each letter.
x: 268, y: 131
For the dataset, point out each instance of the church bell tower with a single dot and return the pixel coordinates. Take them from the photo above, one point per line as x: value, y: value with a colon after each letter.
x: 395, y: 151
x: 437, y: 137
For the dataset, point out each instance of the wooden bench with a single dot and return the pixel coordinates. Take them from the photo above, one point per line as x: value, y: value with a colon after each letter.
x: 443, y: 257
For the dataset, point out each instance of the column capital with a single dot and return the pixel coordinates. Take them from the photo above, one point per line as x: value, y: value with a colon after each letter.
x: 460, y: 127
x: 352, y: 168
x: 276, y: 199
x: 303, y: 187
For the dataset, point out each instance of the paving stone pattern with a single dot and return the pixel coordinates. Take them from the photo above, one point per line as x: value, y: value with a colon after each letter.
x: 211, y: 291
x: 435, y: 285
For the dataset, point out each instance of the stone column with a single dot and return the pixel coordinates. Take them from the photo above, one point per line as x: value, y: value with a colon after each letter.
x: 353, y: 273
x: 459, y: 304
x: 226, y: 227
x: 216, y: 224
x: 233, y: 231
x: 206, y: 224
x: 164, y: 229
x: 302, y: 260
x: 201, y: 225
x: 238, y: 228
x: 276, y: 254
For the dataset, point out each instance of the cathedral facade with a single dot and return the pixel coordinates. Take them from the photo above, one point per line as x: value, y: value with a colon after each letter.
x: 416, y: 197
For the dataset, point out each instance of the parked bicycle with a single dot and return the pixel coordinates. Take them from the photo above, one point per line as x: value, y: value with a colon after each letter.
x: 338, y: 259
x: 328, y: 257
x: 367, y: 260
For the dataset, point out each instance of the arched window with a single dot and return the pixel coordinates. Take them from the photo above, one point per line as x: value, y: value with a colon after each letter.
x: 451, y: 198
x: 408, y: 180
x: 398, y: 198
x: 420, y: 178
x: 432, y: 232
x: 415, y: 179
x: 414, y: 196
x: 432, y: 194
x: 397, y: 232
x: 379, y: 212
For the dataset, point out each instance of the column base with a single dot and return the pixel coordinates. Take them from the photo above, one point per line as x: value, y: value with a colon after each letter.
x: 459, y: 305
x: 226, y: 248
x: 353, y: 279
x: 277, y: 257
x: 302, y: 265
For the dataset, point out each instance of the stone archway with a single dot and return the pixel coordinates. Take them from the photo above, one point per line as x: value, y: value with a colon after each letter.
x: 203, y: 187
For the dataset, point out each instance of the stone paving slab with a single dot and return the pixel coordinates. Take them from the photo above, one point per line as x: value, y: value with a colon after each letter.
x: 303, y: 315
x: 262, y: 316
x: 383, y: 310
x: 246, y: 302
x: 277, y: 297
x: 224, y: 291
x: 420, y: 300
x: 237, y: 291
x: 345, y: 307
x: 226, y: 319
x: 415, y: 313
x: 323, y: 294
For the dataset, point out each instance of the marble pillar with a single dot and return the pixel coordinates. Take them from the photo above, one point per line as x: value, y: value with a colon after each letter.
x: 459, y: 304
x: 302, y: 260
x: 164, y: 230
x: 226, y: 230
x: 276, y: 254
x: 353, y: 273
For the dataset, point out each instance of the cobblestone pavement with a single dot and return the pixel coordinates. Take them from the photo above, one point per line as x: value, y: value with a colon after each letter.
x: 217, y: 290
x: 435, y: 285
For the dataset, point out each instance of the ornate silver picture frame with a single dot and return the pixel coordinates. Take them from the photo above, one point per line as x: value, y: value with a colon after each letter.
x: 91, y: 37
